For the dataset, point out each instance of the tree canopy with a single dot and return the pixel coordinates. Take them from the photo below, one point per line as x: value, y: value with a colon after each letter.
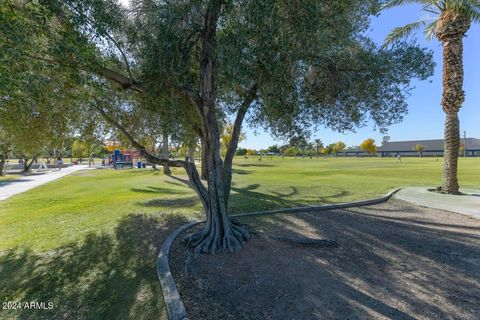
x: 192, y: 66
x: 369, y: 146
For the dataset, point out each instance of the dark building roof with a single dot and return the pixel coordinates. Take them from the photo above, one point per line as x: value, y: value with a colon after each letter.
x: 430, y: 145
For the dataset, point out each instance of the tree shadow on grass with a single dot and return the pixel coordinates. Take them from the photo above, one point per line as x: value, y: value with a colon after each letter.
x: 182, y: 182
x: 173, y: 203
x: 107, y: 276
x: 241, y: 171
x: 13, y: 181
x: 247, y: 199
x: 151, y: 189
x: 246, y: 165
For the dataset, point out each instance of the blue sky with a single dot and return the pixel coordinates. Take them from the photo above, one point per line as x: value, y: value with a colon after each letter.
x: 425, y: 116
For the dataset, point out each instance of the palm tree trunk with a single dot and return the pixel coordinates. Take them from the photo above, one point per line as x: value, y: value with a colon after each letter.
x: 451, y: 29
x: 452, y: 147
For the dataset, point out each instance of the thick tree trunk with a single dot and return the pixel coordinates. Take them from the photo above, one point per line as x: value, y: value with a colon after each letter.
x: 220, y: 233
x: 452, y: 147
x: 165, y: 152
x: 451, y: 29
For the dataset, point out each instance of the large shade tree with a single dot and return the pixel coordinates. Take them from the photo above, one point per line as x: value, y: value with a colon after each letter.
x: 449, y: 24
x: 283, y: 65
x: 39, y: 102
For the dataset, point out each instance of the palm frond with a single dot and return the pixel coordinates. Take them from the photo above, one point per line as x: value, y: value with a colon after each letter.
x: 472, y: 10
x: 402, y: 32
x: 429, y: 10
x: 475, y: 16
x: 462, y: 5
x: 430, y: 30
x: 469, y: 8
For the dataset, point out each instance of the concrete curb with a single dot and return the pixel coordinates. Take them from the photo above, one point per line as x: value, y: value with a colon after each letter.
x: 175, y: 308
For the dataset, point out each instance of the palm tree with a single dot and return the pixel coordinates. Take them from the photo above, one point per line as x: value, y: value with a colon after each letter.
x: 450, y: 20
x: 318, y: 145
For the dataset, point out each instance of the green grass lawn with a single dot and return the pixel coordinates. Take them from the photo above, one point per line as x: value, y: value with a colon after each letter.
x: 88, y: 242
x: 285, y: 182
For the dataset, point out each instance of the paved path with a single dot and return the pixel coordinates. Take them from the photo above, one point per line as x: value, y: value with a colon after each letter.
x: 10, y: 188
x: 464, y: 204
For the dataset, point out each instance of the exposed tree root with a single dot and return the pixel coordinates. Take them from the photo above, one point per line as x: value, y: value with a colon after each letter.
x: 211, y: 241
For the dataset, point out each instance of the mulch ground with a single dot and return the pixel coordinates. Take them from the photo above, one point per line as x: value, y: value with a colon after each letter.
x: 393, y: 261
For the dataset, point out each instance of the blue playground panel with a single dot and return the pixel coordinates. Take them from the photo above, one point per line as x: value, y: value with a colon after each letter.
x: 120, y: 160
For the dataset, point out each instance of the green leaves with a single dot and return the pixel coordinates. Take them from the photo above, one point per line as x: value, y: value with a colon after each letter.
x: 309, y: 59
x: 362, y: 81
x: 39, y: 97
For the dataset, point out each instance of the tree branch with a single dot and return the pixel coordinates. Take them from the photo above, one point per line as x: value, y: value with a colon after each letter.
x: 119, y: 78
x: 106, y: 73
x: 189, y: 167
x: 111, y: 38
x: 192, y: 95
x: 196, y: 102
x: 142, y: 149
x: 232, y: 146
x: 237, y: 125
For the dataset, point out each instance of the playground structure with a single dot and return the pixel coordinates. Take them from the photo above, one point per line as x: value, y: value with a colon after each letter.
x: 120, y: 159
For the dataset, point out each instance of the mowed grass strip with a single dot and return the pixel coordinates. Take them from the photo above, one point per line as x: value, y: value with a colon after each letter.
x: 88, y: 242
x: 276, y: 182
x: 94, y: 201
x: 68, y: 209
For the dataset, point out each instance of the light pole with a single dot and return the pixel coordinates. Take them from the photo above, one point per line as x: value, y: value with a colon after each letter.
x: 464, y: 144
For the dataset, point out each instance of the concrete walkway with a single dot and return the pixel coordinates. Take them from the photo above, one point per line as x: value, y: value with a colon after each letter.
x: 10, y: 188
x: 465, y: 204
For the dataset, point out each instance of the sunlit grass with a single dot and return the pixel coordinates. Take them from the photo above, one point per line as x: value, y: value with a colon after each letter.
x: 88, y: 242
x: 93, y: 201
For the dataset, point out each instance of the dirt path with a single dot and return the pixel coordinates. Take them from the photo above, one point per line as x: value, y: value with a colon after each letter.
x: 393, y: 261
